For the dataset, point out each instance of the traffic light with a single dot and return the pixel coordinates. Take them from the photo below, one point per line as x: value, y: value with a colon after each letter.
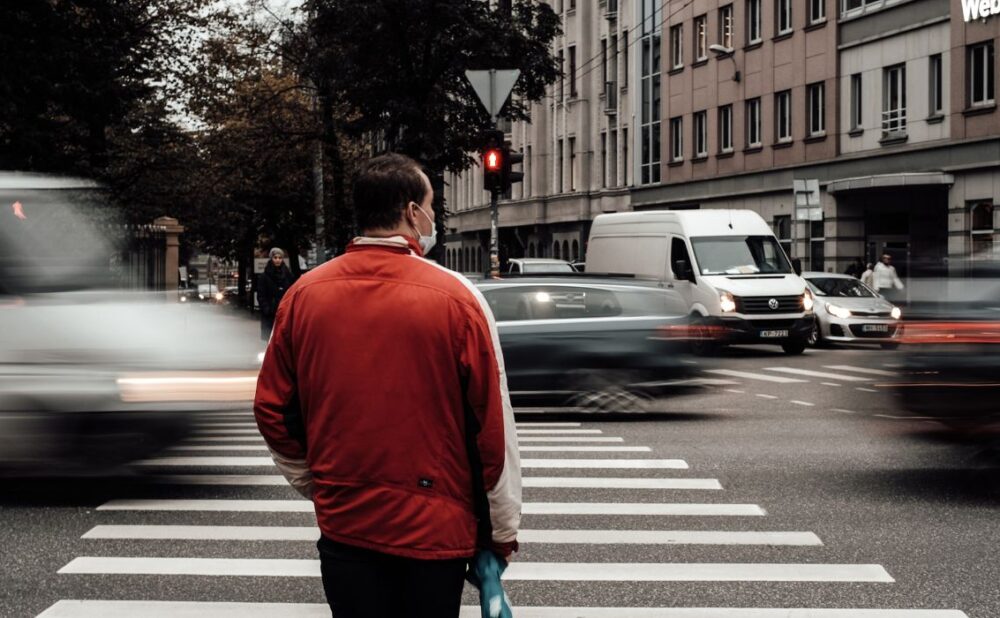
x: 511, y: 159
x: 494, y: 155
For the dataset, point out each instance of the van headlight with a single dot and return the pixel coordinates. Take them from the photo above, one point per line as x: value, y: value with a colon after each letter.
x: 896, y: 313
x: 838, y: 311
x: 807, y: 301
x: 727, y: 302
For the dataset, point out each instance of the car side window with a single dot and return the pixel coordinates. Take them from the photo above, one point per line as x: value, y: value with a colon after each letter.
x: 679, y: 253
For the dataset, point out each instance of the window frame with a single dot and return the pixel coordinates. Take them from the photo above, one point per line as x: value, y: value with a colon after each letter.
x: 701, y: 38
x: 783, y: 11
x: 754, y: 22
x: 725, y: 129
x: 783, y: 102
x: 988, y: 73
x: 856, y: 94
x: 676, y: 139
x: 935, y: 79
x: 753, y: 123
x: 817, y: 11
x: 894, y: 119
x: 727, y: 22
x: 699, y: 126
x: 677, y: 46
x: 816, y: 109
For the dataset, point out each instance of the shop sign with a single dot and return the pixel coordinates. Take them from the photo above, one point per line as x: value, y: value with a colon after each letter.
x: 979, y: 9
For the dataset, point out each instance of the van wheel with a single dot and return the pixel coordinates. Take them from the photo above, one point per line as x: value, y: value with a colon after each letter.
x: 794, y: 347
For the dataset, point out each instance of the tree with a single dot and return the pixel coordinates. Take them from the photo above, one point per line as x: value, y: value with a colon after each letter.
x: 399, y: 67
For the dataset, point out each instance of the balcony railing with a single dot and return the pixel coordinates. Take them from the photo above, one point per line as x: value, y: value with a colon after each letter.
x: 894, y: 122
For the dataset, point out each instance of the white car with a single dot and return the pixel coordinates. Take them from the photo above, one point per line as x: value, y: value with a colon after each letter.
x: 849, y: 311
x: 538, y: 266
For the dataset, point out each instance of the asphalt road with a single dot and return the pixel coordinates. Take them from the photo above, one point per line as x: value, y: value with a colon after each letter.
x: 863, y: 508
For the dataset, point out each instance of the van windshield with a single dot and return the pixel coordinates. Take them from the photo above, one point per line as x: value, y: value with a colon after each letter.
x: 740, y: 255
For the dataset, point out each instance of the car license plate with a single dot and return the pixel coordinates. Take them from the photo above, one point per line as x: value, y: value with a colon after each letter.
x: 773, y: 333
x: 875, y: 328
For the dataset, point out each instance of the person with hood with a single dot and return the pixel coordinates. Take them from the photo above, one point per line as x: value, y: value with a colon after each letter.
x: 271, y: 287
x: 383, y: 399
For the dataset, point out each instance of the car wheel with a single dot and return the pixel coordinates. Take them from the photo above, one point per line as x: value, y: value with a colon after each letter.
x: 794, y: 347
x: 815, y: 338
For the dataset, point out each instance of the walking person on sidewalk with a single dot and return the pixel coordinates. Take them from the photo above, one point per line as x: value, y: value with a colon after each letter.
x: 271, y: 287
x: 885, y: 278
x: 383, y: 399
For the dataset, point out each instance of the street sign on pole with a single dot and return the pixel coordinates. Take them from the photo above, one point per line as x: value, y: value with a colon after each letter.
x: 493, y: 87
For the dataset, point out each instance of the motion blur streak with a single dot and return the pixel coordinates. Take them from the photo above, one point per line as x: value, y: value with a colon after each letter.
x: 951, y: 332
x: 195, y: 386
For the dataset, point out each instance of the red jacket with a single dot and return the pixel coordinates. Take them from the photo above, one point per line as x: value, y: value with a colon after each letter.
x: 362, y: 399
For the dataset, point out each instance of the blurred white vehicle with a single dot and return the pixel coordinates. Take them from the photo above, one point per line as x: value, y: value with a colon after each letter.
x: 850, y: 311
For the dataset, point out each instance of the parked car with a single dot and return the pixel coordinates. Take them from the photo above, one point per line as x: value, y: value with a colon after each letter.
x: 724, y: 266
x: 92, y: 378
x: 600, y: 343
x: 538, y: 266
x: 849, y: 311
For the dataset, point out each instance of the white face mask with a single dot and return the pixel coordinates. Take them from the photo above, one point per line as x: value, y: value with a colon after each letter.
x: 426, y: 242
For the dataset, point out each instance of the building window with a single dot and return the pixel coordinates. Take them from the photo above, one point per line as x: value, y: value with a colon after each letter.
x: 936, y: 107
x: 555, y: 250
x: 531, y: 249
x: 572, y: 5
x: 604, y: 159
x: 726, y: 26
x: 817, y: 11
x: 981, y: 214
x: 981, y: 78
x: 700, y: 135
x: 613, y: 62
x: 528, y: 172
x: 783, y: 231
x: 677, y: 46
x: 753, y: 123
x: 572, y: 164
x: 676, y: 139
x: 572, y: 71
x: 576, y: 251
x: 817, y: 244
x: 856, y: 118
x: 613, y: 163
x: 626, y: 162
x: 604, y: 61
x: 726, y: 128
x: 559, y: 165
x: 783, y: 113
x: 700, y: 38
x: 816, y: 95
x: 753, y: 22
x: 894, y: 100
x: 649, y: 129
x: 560, y: 59
x: 783, y: 19
x: 624, y: 55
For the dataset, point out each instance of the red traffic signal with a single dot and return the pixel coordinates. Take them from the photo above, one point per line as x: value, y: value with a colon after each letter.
x: 493, y: 160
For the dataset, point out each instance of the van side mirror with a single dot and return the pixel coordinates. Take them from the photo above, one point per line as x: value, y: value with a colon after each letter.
x: 797, y: 266
x: 684, y: 269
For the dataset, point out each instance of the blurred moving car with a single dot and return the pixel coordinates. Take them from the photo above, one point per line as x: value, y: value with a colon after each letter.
x: 93, y: 377
x: 950, y: 357
x: 602, y: 344
x: 538, y: 266
x: 209, y: 293
x: 850, y: 311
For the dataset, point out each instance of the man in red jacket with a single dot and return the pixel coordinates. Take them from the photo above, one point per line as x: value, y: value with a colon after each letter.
x: 383, y: 399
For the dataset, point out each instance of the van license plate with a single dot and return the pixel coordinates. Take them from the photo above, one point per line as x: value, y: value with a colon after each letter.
x: 875, y: 328
x: 773, y: 333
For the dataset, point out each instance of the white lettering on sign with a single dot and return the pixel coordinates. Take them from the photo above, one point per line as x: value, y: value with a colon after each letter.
x: 979, y: 9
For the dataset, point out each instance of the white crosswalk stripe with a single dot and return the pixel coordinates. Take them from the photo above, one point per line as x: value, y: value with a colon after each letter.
x: 528, y: 508
x: 874, y: 372
x: 209, y: 609
x: 564, y: 482
x: 817, y: 374
x: 259, y: 462
x: 523, y: 449
x: 755, y: 376
x: 589, y: 537
x: 516, y: 571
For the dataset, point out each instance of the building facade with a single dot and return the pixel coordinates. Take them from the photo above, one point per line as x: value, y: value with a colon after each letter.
x: 889, y: 104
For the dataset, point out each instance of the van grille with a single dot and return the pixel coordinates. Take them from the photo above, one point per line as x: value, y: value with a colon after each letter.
x: 761, y: 304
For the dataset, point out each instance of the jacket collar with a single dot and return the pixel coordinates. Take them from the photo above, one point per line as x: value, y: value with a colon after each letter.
x: 398, y: 243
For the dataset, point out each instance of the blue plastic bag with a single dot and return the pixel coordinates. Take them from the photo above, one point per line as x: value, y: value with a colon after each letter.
x: 484, y: 573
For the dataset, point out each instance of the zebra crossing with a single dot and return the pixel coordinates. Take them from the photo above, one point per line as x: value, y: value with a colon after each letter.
x: 194, y: 467
x: 839, y: 374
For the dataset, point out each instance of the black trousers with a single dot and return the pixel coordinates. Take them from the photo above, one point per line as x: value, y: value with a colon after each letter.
x: 360, y: 583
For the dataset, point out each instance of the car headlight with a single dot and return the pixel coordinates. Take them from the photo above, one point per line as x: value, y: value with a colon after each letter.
x: 807, y: 301
x: 837, y: 311
x: 543, y: 297
x: 896, y: 313
x: 218, y: 296
x: 201, y: 297
x: 184, y: 299
x: 727, y: 302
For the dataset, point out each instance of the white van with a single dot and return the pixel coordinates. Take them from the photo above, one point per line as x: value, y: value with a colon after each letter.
x: 726, y: 266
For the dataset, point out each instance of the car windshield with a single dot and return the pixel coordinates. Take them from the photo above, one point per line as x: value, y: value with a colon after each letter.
x: 739, y: 255
x: 840, y: 287
x: 546, y: 267
x: 558, y: 302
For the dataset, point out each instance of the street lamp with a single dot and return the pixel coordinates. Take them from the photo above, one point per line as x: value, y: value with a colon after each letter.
x: 722, y: 50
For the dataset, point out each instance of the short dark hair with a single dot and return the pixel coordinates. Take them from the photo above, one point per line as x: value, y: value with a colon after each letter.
x: 383, y: 188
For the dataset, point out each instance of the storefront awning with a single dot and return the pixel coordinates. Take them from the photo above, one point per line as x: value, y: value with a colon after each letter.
x: 885, y: 181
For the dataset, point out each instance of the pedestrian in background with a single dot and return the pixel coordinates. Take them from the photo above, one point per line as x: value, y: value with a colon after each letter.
x: 885, y: 278
x: 856, y: 268
x: 383, y: 399
x: 868, y: 277
x: 271, y: 287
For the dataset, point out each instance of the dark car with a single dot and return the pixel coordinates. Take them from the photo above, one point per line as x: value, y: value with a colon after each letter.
x: 950, y: 357
x: 596, y: 343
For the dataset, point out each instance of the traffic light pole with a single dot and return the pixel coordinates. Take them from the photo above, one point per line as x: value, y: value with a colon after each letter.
x: 494, y: 231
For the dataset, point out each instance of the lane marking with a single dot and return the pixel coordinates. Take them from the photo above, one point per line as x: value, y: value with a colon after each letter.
x: 528, y: 508
x: 558, y: 432
x: 734, y: 390
x: 548, y: 424
x: 816, y: 374
x: 755, y: 376
x: 516, y: 571
x: 590, y: 482
x: 802, y: 403
x: 876, y: 372
x: 523, y: 449
x: 226, y: 432
x: 568, y: 439
x: 218, y: 609
x: 558, y: 537
x: 844, y: 411
x: 611, y: 464
x: 765, y: 396
x: 830, y: 384
x: 867, y: 390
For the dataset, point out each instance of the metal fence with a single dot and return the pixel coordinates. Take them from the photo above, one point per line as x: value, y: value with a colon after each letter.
x: 139, y: 263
